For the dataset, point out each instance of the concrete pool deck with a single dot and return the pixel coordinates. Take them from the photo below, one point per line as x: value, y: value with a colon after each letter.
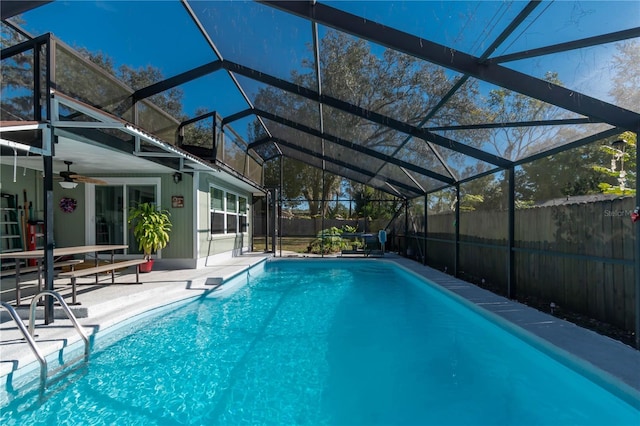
x: 105, y: 305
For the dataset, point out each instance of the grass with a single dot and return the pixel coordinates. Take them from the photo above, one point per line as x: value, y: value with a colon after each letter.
x: 295, y: 244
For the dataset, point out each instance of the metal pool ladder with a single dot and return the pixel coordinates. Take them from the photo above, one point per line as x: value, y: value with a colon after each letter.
x: 30, y: 341
x: 29, y: 334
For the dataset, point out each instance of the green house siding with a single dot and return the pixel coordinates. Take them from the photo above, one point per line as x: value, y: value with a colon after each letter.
x: 63, y: 222
x: 182, y: 235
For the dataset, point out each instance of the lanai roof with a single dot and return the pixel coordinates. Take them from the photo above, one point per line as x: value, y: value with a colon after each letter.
x: 428, y: 123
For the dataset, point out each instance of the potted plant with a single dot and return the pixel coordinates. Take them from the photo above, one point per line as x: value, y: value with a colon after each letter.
x: 151, y: 227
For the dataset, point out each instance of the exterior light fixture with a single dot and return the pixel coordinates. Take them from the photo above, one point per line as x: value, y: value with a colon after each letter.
x: 177, y: 177
x: 67, y: 184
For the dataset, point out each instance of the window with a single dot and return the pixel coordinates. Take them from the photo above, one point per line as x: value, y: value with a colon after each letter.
x: 242, y: 214
x: 231, y: 203
x: 228, y: 212
x: 217, y: 211
x: 217, y: 199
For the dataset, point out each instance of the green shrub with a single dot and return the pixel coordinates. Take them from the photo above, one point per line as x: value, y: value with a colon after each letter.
x: 328, y: 241
x: 331, y: 240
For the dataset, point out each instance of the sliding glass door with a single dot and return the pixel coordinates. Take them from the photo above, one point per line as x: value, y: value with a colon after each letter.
x: 109, y: 218
x: 138, y: 194
x: 108, y: 207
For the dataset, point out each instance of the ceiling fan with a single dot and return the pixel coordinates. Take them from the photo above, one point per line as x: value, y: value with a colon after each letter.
x: 70, y: 179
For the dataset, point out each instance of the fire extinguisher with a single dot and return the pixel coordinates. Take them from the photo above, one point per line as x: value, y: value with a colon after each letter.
x: 32, y: 239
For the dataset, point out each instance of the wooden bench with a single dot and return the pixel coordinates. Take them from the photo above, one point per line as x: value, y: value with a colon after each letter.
x: 12, y: 271
x: 27, y: 269
x: 111, y: 267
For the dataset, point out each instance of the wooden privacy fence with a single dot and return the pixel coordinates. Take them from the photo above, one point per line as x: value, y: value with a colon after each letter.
x: 576, y: 255
x: 311, y: 227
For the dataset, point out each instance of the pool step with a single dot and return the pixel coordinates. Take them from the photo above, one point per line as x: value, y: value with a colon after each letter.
x: 78, y: 311
x: 117, y: 307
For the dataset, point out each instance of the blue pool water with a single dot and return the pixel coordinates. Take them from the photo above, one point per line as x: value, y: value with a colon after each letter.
x: 320, y: 342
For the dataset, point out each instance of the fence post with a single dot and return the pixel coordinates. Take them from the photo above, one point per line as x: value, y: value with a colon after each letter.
x: 456, y: 259
x: 279, y: 208
x: 322, y: 218
x: 406, y: 227
x: 636, y: 258
x: 424, y: 241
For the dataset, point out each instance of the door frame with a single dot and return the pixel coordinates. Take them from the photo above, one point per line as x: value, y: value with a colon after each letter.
x: 90, y: 202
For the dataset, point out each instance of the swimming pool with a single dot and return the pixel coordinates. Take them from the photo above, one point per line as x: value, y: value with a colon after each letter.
x: 320, y: 342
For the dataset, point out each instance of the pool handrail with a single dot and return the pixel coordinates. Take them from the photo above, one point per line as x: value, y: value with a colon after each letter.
x: 67, y: 311
x: 29, y: 338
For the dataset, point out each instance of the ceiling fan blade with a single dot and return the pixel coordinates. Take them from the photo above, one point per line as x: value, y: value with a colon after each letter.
x: 86, y: 179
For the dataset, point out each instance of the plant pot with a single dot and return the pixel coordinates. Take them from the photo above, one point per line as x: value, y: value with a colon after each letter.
x: 146, y: 267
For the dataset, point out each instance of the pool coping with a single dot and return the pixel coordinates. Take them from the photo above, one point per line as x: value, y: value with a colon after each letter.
x: 619, y: 362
